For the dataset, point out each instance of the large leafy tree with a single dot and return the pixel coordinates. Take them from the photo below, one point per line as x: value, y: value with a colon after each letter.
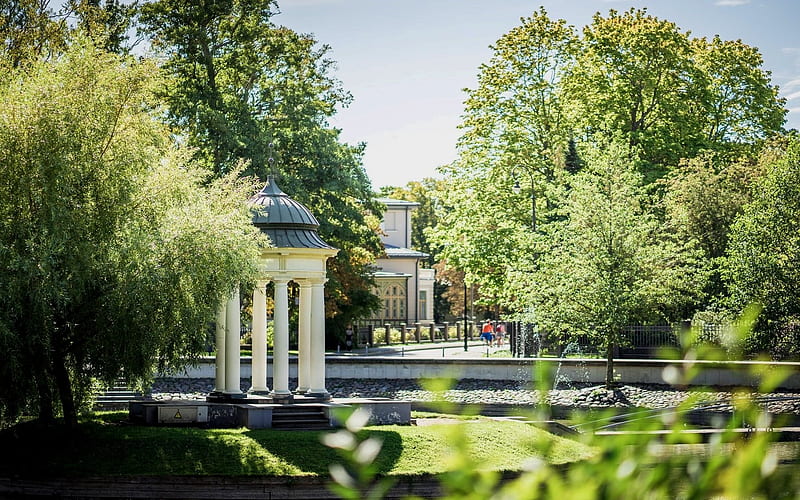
x: 764, y: 251
x: 742, y: 105
x: 610, y: 265
x: 635, y: 76
x: 114, y: 248
x: 106, y: 22
x: 547, y: 94
x: 671, y: 94
x: 241, y: 87
x: 515, y: 128
x: 516, y: 117
x: 236, y: 78
x: 477, y: 232
x: 702, y: 199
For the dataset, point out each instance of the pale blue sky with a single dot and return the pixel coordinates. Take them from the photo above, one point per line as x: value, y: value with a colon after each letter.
x: 407, y: 61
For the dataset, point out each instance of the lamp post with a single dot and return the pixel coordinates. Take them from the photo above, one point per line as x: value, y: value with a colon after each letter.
x: 516, y: 188
x: 465, y: 313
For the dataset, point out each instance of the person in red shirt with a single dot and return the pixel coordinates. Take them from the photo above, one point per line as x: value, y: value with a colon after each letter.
x: 487, y: 332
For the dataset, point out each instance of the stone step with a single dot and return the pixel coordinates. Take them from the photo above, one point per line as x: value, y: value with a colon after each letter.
x: 115, y: 397
x: 300, y: 417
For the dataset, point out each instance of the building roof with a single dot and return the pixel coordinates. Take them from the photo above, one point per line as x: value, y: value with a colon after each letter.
x: 388, y: 274
x: 391, y: 202
x: 399, y: 252
x: 288, y: 223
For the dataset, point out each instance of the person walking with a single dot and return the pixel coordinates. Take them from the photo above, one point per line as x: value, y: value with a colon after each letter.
x: 500, y: 333
x: 487, y: 332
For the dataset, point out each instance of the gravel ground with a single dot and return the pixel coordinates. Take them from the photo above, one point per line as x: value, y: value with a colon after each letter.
x: 496, y: 392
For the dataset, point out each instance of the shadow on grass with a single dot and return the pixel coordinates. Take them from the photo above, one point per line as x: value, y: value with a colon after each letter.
x: 305, y: 451
x: 110, y: 446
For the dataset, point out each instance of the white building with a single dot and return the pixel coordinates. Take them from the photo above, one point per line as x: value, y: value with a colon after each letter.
x: 405, y: 288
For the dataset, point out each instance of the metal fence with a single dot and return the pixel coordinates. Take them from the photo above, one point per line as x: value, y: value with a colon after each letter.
x: 638, y: 341
x: 371, y: 333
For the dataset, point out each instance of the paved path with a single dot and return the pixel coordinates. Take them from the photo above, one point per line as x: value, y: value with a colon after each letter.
x: 427, y: 350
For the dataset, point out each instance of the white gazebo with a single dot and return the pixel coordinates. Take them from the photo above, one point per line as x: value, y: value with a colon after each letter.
x: 298, y: 255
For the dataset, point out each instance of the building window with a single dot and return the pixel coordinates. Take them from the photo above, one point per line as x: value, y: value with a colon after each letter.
x: 423, y: 304
x: 394, y: 302
x: 390, y: 222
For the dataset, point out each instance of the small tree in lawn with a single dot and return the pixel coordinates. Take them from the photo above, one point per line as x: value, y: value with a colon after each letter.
x: 609, y: 264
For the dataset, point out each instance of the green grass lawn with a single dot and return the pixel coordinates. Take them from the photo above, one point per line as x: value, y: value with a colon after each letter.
x: 107, y: 445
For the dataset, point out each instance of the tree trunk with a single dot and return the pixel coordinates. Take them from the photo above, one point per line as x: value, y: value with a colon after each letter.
x: 610, y: 345
x: 64, y: 385
x: 46, y: 413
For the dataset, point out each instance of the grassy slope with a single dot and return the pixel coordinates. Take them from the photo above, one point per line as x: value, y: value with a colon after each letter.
x: 109, y: 446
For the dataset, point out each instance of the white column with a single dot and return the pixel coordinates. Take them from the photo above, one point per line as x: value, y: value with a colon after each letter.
x: 232, y: 345
x: 317, y: 381
x: 280, y: 351
x: 304, y: 338
x: 259, y: 377
x: 219, y: 382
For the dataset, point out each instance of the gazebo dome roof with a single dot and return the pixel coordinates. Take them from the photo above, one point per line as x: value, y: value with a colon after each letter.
x: 288, y: 223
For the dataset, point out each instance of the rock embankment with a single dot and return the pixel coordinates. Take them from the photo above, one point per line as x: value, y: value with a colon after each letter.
x: 473, y: 391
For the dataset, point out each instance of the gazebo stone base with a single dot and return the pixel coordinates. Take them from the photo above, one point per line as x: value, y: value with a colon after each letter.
x: 263, y: 413
x: 318, y: 396
x: 283, y: 398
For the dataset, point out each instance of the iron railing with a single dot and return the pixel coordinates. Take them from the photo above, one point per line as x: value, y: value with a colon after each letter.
x: 638, y: 341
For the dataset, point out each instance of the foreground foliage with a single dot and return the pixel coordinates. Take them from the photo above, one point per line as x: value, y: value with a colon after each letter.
x: 641, y: 454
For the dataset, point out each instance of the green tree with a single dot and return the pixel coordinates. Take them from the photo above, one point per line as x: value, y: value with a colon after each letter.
x: 114, y: 248
x: 743, y: 106
x: 610, y: 265
x: 546, y: 94
x: 516, y: 115
x: 701, y: 201
x: 515, y: 125
x: 239, y: 83
x: 670, y: 94
x: 635, y: 76
x: 477, y: 229
x: 242, y: 88
x: 764, y: 251
x: 106, y: 22
x: 29, y: 30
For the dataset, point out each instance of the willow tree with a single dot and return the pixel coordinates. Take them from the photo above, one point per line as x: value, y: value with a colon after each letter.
x: 115, y: 248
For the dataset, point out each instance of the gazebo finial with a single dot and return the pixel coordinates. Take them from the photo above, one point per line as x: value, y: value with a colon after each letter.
x: 271, y: 159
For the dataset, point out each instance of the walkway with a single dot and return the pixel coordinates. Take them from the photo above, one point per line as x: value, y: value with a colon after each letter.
x: 438, y: 350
